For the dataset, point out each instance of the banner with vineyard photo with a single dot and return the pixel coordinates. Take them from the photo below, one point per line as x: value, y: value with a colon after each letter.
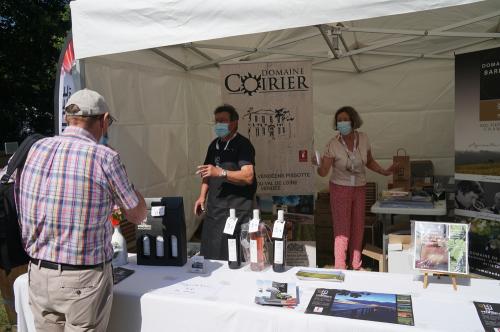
x: 477, y: 156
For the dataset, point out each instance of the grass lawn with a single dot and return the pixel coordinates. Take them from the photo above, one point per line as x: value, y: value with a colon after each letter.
x: 4, y: 320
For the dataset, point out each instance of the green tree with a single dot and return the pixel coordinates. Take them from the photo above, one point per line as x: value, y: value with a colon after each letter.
x: 31, y: 37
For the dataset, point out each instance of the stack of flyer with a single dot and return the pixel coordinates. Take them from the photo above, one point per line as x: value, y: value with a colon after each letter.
x: 276, y: 293
x: 405, y: 199
x: 320, y: 275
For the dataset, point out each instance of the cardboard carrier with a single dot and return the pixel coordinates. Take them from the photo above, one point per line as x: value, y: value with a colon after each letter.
x: 161, y: 240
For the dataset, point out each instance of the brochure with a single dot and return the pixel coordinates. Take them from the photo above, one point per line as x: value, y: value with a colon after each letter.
x: 276, y: 293
x: 120, y: 273
x: 321, y: 275
x: 489, y: 314
x: 378, y: 307
x: 441, y: 247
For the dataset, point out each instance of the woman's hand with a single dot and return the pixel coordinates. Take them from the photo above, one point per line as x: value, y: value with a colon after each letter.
x: 315, y: 160
x: 324, y: 166
x: 389, y: 170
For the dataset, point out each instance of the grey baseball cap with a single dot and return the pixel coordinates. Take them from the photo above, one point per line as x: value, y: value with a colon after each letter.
x: 89, y: 102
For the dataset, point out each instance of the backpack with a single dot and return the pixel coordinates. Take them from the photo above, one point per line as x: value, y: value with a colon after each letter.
x: 12, y: 253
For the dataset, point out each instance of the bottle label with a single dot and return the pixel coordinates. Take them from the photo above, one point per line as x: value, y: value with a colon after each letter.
x: 278, y: 252
x: 253, y: 251
x: 230, y: 226
x: 231, y: 247
x: 117, y: 248
x: 278, y: 228
x: 197, y: 264
x: 157, y: 211
x: 253, y: 226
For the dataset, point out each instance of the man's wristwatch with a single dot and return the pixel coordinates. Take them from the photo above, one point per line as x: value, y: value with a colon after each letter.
x: 223, y: 173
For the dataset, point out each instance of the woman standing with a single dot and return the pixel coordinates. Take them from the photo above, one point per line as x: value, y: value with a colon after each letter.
x: 348, y: 154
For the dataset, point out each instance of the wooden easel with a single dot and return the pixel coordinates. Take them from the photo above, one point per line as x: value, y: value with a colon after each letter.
x: 452, y: 276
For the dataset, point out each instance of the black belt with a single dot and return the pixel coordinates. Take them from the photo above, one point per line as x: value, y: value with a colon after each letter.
x: 57, y: 266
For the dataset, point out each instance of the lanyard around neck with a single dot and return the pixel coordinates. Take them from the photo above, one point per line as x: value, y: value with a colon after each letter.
x: 227, y: 143
x: 354, y: 147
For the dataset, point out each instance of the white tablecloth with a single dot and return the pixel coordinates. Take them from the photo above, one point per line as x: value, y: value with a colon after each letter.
x: 172, y: 299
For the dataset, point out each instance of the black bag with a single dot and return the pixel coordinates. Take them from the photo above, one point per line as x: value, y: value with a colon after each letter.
x: 12, y: 252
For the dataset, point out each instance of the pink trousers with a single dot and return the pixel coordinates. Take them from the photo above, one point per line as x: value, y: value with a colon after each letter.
x: 348, y: 217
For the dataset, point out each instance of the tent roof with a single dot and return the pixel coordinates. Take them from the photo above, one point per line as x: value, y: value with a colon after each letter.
x: 115, y: 26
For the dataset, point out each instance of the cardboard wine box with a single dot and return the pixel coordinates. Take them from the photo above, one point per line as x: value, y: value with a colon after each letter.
x: 161, y: 240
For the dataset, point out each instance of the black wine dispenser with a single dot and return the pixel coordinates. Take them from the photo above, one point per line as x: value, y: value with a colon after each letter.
x: 161, y: 240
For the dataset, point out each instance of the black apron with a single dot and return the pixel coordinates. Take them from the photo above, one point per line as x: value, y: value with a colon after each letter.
x: 223, y: 196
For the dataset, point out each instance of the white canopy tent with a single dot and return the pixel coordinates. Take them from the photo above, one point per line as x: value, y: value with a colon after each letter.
x: 156, y: 62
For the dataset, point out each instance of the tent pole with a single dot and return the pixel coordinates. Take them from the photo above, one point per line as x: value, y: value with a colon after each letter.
x: 393, y: 63
x: 335, y: 52
x: 169, y: 58
x: 433, y: 32
x: 412, y: 55
x: 423, y: 33
x: 209, y: 63
x: 201, y: 53
x: 347, y: 49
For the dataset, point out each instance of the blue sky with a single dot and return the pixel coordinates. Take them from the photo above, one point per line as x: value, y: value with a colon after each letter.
x: 372, y: 297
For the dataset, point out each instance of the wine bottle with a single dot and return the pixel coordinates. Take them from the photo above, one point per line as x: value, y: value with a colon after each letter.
x: 279, y: 243
x: 257, y: 259
x: 146, y: 246
x: 233, y: 243
x: 160, y: 246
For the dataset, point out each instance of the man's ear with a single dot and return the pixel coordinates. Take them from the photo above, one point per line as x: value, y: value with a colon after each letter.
x: 104, y: 119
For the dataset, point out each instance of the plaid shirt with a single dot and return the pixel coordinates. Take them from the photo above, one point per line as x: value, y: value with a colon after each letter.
x: 65, y: 195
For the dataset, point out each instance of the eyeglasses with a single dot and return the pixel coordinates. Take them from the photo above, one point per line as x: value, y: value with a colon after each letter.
x: 111, y: 120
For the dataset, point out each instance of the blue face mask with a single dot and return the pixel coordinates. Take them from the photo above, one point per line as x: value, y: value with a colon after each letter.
x: 221, y: 129
x: 104, y: 140
x: 344, y: 127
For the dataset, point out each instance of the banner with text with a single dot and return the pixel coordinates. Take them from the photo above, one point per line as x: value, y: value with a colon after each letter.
x: 274, y: 101
x: 477, y: 156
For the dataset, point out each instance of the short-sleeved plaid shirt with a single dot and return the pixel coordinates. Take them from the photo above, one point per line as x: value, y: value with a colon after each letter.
x: 65, y: 196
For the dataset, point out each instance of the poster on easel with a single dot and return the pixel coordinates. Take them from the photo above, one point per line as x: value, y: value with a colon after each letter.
x: 441, y: 247
x: 477, y: 155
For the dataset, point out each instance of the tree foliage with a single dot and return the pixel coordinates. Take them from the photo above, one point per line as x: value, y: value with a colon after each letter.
x: 31, y: 37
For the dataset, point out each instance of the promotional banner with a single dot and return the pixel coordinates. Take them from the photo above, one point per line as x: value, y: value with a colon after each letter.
x: 477, y: 156
x: 274, y: 101
x: 67, y: 82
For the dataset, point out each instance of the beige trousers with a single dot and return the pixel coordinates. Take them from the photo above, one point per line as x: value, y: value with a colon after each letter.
x: 70, y: 300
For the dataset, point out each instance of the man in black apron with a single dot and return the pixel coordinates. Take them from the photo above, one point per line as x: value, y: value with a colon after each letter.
x: 228, y: 182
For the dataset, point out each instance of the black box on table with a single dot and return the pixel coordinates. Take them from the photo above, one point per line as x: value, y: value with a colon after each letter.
x: 161, y: 240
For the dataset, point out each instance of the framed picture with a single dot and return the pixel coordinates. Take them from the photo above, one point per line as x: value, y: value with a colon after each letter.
x: 441, y: 247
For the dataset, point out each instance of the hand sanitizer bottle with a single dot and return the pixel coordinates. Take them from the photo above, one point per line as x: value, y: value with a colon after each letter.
x: 120, y: 254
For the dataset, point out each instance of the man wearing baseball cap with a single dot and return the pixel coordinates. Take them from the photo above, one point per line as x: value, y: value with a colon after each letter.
x: 66, y: 192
